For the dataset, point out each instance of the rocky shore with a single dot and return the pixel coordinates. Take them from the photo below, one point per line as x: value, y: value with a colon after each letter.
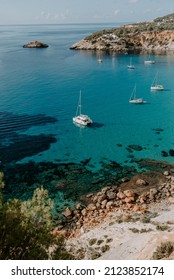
x: 146, y: 37
x: 103, y: 214
x: 139, y: 208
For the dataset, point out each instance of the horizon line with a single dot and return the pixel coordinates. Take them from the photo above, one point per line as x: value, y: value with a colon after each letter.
x: 70, y: 23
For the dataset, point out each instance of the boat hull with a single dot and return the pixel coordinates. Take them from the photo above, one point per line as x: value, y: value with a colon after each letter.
x: 82, y: 120
x: 157, y: 88
x: 136, y: 101
x: 130, y: 67
x: 149, y: 62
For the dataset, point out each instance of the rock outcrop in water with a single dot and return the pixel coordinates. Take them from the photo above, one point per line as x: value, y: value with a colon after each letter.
x: 35, y: 44
x: 156, y: 36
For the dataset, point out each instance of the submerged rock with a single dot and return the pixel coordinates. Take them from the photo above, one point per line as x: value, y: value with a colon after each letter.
x: 35, y: 44
x: 171, y: 153
x: 14, y: 145
x: 135, y: 147
x: 164, y: 153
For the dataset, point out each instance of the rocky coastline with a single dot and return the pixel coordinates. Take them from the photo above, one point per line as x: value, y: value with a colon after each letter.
x: 136, y: 206
x: 133, y: 195
x: 96, y: 205
x: 148, y: 37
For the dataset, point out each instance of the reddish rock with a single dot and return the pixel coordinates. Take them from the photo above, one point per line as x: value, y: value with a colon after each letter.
x: 103, y: 204
x: 111, y: 195
x: 121, y: 195
x: 68, y: 212
x: 84, y: 212
x: 129, y: 199
x: 109, y: 204
x: 91, y: 207
x: 129, y: 193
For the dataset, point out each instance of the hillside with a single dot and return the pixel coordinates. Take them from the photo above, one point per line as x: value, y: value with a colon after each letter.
x: 154, y: 36
x: 132, y: 222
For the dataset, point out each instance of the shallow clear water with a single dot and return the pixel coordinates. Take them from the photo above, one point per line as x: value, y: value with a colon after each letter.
x: 48, y: 81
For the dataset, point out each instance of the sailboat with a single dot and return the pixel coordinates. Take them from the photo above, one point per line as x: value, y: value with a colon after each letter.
x: 100, y: 59
x: 81, y: 119
x: 149, y: 61
x: 155, y: 85
x: 131, y: 66
x: 135, y: 100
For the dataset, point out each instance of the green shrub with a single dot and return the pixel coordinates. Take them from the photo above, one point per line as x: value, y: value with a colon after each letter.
x: 163, y: 251
x: 25, y: 229
x: 92, y: 241
x: 24, y: 241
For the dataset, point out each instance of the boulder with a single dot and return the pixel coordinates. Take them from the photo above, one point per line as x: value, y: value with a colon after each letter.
x: 78, y: 206
x: 121, y: 195
x: 84, y: 212
x: 141, y: 182
x: 123, y: 180
x: 109, y: 204
x: 152, y: 193
x: 91, y: 207
x: 129, y: 199
x: 129, y: 193
x: 67, y: 212
x: 111, y: 195
x: 104, y: 202
x: 166, y: 173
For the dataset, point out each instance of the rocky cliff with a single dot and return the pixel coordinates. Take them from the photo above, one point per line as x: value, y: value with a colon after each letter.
x: 155, y: 36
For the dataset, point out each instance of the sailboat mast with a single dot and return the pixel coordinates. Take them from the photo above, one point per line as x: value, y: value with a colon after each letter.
x: 133, y: 95
x: 80, y: 103
x: 135, y: 89
x: 78, y: 111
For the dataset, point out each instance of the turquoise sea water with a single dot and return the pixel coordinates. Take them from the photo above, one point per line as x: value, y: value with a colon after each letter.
x: 48, y: 81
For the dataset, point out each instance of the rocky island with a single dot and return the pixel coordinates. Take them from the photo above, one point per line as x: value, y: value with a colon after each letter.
x: 156, y: 36
x: 35, y: 44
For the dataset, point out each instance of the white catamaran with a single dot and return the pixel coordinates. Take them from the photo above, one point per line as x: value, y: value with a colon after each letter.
x: 81, y: 119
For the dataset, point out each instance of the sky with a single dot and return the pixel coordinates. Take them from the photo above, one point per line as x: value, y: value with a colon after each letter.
x: 81, y: 11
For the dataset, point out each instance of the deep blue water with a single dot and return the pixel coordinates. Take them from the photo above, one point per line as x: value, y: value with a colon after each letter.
x: 48, y: 81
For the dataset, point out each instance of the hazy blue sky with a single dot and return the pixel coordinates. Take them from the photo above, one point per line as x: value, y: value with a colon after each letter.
x: 81, y: 11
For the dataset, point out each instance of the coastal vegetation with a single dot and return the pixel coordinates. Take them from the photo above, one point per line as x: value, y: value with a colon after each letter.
x: 164, y: 250
x: 156, y: 35
x: 30, y: 229
x: 26, y: 229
